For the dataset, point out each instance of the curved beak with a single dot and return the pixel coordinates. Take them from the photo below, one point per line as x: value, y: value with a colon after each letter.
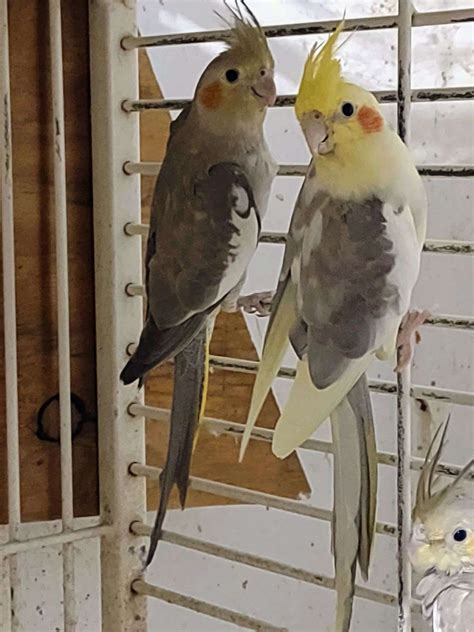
x: 264, y: 90
x: 316, y: 132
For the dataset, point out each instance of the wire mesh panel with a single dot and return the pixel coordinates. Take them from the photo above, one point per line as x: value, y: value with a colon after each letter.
x: 40, y: 562
x: 404, y: 390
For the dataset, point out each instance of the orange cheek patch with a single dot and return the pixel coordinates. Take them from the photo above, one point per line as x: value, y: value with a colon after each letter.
x: 211, y: 96
x: 370, y: 119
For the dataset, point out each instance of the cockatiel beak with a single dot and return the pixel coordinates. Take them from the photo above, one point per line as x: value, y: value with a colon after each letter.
x: 316, y: 132
x: 264, y: 88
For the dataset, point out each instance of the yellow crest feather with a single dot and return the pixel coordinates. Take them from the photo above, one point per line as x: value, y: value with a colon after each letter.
x: 321, y: 79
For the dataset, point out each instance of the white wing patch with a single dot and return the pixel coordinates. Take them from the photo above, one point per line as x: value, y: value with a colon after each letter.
x: 242, y: 245
x: 401, y: 232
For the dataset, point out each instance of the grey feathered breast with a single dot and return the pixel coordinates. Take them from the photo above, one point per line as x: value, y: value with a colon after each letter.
x: 344, y: 283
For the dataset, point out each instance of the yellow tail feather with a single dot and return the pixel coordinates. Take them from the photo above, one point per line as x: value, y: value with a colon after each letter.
x: 276, y: 344
x: 205, y: 384
x: 308, y: 407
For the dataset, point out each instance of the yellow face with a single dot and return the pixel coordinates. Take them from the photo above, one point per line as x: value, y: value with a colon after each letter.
x: 353, y: 115
x: 433, y: 546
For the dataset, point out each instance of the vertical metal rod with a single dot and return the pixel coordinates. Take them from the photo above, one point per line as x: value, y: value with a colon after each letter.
x: 60, y: 204
x: 8, y: 569
x: 405, y: 17
x: 115, y: 135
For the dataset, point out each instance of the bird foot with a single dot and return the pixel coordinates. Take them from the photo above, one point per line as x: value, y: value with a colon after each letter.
x: 409, y: 327
x: 259, y: 303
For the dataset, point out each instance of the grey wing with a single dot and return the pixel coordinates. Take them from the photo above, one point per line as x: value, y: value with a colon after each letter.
x: 294, y: 239
x: 201, y: 248
x: 344, y: 286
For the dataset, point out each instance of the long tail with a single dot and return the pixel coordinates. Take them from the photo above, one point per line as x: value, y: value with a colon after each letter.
x: 276, y: 344
x: 355, y: 494
x: 307, y: 407
x: 359, y: 399
x: 189, y: 396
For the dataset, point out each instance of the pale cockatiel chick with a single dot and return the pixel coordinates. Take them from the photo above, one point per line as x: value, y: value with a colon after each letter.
x: 442, y: 544
x: 209, y: 201
x: 351, y: 261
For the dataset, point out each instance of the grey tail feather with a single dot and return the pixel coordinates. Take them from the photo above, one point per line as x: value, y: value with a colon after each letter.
x: 359, y: 400
x: 189, y: 380
x: 158, y: 345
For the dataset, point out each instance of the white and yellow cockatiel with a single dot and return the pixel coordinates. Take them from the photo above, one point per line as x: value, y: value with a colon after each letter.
x: 442, y: 544
x: 351, y: 261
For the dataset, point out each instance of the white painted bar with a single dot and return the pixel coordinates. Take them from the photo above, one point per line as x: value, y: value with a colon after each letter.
x: 235, y: 429
x: 420, y: 95
x: 251, y: 496
x: 444, y: 171
x: 262, y: 563
x: 431, y: 18
x: 64, y: 538
x: 9, y: 302
x: 437, y: 320
x: 115, y: 138
x: 203, y: 607
x: 434, y: 246
x: 62, y: 279
x: 404, y: 500
x: 8, y: 568
x: 462, y: 398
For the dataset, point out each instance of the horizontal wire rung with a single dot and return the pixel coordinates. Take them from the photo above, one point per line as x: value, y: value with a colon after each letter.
x: 203, y: 607
x: 431, y: 18
x: 458, y: 93
x: 235, y: 429
x: 438, y: 320
x: 462, y: 398
x: 459, y: 171
x: 436, y: 246
x: 252, y: 497
x: 10, y: 548
x: 261, y: 563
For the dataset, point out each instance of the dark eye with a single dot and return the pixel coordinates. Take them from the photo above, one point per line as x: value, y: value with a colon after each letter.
x: 347, y: 109
x: 460, y: 535
x: 232, y: 75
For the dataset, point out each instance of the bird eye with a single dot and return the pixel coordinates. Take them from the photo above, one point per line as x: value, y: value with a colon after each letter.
x: 232, y: 75
x: 460, y: 535
x: 347, y: 109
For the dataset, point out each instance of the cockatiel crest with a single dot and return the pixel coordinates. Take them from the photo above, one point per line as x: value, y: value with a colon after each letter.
x: 321, y: 81
x: 443, y: 529
x: 246, y: 37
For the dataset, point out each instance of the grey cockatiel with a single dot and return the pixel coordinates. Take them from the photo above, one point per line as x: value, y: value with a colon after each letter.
x: 208, y: 204
x: 351, y: 261
x: 442, y: 544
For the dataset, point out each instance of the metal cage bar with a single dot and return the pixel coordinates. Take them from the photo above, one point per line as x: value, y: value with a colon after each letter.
x: 203, y: 607
x: 8, y: 567
x: 151, y: 168
x: 435, y: 246
x: 404, y: 502
x: 460, y: 93
x: 60, y: 204
x: 256, y: 561
x: 431, y: 18
x: 235, y: 429
x: 114, y: 73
